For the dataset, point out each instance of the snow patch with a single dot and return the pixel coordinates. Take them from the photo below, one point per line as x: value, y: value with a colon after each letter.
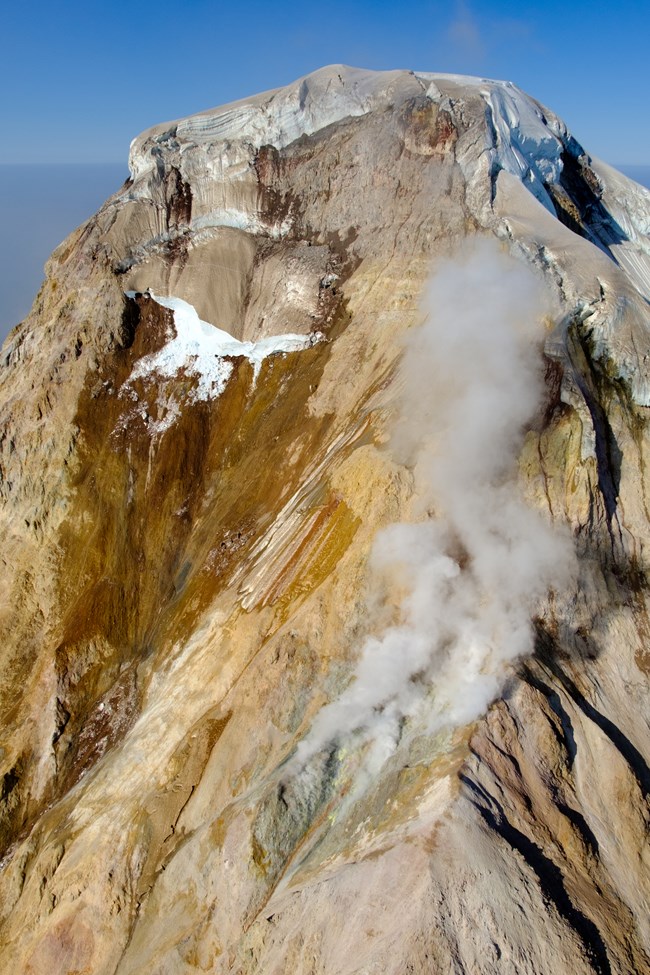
x: 203, y: 350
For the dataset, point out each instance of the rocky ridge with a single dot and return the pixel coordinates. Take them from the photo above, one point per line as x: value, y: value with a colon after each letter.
x: 185, y: 576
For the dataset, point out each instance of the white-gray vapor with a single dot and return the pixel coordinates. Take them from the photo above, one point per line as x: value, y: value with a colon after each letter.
x: 453, y: 592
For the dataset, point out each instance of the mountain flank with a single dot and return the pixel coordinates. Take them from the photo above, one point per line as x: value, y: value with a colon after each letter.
x: 237, y: 459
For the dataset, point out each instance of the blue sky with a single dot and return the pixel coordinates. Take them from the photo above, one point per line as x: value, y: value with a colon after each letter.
x: 80, y: 79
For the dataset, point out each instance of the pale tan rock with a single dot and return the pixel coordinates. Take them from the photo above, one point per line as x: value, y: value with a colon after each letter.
x: 179, y: 601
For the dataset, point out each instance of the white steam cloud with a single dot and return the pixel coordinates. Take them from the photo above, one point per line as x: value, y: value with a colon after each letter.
x: 453, y: 593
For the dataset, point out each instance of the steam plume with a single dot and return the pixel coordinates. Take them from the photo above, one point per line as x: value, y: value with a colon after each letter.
x: 454, y: 591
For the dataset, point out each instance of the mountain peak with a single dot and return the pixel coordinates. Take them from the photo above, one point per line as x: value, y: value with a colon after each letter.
x: 324, y: 526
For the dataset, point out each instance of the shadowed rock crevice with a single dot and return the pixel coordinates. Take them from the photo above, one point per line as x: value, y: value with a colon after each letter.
x: 178, y: 199
x: 580, y: 823
x: 130, y: 322
x: 555, y: 703
x: 596, y: 391
x: 579, y: 204
x: 8, y: 782
x: 549, y: 876
x: 547, y: 652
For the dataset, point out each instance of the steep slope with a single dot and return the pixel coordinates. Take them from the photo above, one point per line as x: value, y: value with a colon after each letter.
x: 186, y: 527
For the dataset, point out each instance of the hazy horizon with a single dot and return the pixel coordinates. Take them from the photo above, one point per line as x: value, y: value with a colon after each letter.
x: 43, y: 203
x: 590, y: 67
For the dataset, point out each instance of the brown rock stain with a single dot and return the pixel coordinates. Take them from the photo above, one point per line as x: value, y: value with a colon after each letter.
x: 161, y: 521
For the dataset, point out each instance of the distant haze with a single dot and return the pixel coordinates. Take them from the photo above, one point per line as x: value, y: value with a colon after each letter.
x: 77, y: 87
x: 41, y: 205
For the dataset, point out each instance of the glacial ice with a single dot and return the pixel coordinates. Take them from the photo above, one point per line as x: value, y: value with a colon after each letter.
x: 281, y: 116
x: 524, y: 145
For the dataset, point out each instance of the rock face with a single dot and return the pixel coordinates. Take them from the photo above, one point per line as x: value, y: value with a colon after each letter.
x: 185, y: 543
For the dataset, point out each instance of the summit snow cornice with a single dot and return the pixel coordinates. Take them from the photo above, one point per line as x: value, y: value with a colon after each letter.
x: 526, y: 137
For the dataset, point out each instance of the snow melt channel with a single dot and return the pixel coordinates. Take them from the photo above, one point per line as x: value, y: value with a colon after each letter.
x: 202, y: 350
